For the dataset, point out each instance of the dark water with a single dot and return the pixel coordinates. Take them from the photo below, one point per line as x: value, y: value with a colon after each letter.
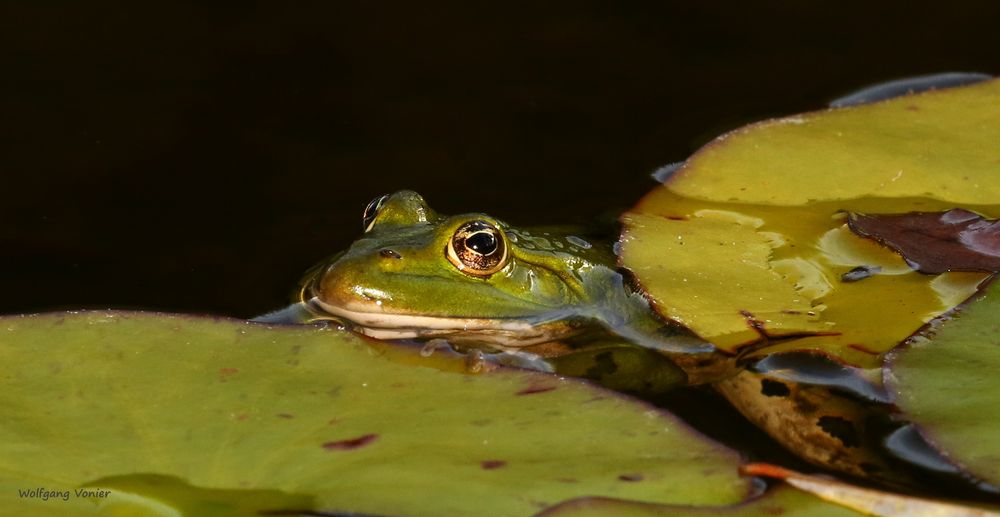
x: 198, y: 158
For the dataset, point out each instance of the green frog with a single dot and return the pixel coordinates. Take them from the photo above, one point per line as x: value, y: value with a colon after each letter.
x: 546, y: 298
x: 555, y: 299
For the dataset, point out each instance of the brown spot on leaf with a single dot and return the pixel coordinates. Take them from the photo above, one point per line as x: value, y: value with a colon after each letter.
x: 936, y: 242
x: 286, y: 416
x: 226, y: 372
x: 841, y: 429
x: 536, y: 388
x: 804, y: 406
x: 862, y: 348
x: 567, y: 480
x: 630, y: 477
x: 351, y: 443
x: 492, y: 464
x: 772, y: 388
x: 755, y: 324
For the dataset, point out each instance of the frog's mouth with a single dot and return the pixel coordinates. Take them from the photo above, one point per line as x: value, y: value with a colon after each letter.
x: 373, y: 321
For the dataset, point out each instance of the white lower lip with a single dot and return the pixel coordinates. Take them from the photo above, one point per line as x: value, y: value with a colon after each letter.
x: 501, y: 332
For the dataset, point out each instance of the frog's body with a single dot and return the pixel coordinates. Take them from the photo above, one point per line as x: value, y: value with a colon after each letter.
x: 484, y: 285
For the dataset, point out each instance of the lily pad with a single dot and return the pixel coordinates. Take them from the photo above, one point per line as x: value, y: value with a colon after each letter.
x: 206, y: 416
x: 945, y: 380
x: 933, y: 145
x: 748, y: 240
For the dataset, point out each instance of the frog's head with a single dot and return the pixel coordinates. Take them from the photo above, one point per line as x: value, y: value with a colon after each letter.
x: 415, y: 273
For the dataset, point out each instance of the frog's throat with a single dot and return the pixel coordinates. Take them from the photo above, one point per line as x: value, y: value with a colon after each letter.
x: 498, y: 332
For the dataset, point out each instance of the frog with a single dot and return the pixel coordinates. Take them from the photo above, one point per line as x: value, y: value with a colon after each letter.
x: 555, y: 299
x: 529, y: 297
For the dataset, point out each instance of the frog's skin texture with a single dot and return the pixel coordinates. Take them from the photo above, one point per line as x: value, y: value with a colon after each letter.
x: 557, y: 296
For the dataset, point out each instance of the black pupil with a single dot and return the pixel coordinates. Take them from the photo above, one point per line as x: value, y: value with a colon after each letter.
x: 483, y: 243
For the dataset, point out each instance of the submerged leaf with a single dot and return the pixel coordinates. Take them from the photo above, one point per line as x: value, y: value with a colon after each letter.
x: 956, y: 240
x: 945, y: 381
x: 176, y: 413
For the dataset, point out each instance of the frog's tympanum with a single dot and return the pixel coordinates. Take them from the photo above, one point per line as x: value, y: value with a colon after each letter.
x: 560, y: 299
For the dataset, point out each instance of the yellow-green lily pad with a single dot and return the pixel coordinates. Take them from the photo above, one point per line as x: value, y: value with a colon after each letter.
x: 945, y: 380
x: 935, y: 145
x: 748, y: 240
x: 152, y: 414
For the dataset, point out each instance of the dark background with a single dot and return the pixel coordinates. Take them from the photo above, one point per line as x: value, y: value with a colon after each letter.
x: 199, y: 156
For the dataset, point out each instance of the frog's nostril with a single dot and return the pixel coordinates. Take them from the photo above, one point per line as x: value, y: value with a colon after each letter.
x: 388, y: 253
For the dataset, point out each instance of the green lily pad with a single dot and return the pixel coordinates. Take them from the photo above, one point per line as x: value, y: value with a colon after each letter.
x: 206, y: 416
x: 935, y: 145
x: 945, y: 380
x: 748, y: 240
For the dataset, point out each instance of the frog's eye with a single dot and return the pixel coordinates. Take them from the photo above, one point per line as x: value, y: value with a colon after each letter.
x: 368, y: 219
x: 478, y: 248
